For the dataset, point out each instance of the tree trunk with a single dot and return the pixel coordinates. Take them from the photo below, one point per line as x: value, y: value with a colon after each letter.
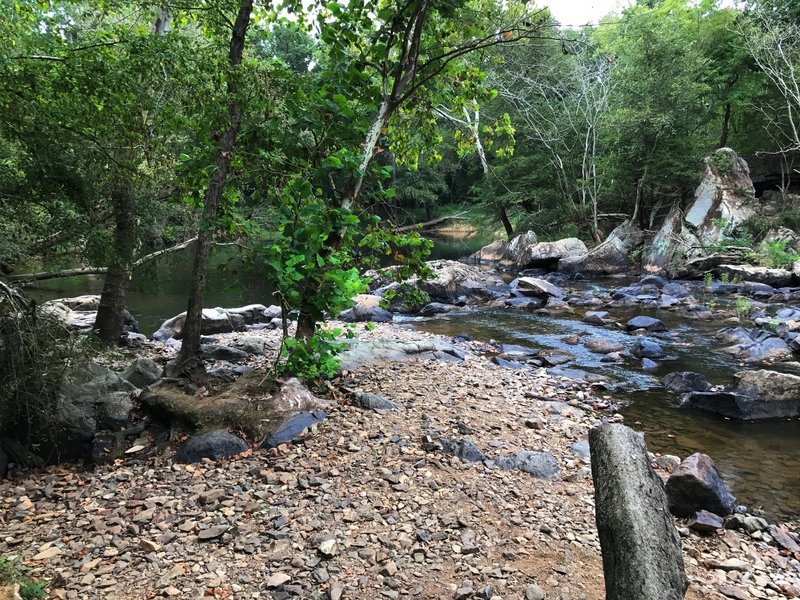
x: 505, y: 221
x: 110, y: 313
x: 726, y: 122
x: 190, y: 347
x: 641, y: 549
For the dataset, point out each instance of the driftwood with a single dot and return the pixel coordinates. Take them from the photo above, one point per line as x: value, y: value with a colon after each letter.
x: 427, y: 224
x: 642, y: 557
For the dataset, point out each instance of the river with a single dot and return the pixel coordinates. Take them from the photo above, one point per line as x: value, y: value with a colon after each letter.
x: 760, y: 462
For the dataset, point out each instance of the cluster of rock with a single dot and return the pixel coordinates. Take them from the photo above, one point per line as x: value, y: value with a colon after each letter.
x: 757, y: 395
x: 404, y: 493
x: 685, y: 245
x: 79, y: 313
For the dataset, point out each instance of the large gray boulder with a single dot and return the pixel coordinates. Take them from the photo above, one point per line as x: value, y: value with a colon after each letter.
x: 80, y: 312
x: 642, y: 556
x: 614, y: 254
x: 549, y: 255
x: 696, y: 485
x: 754, y: 345
x: 533, y: 286
x: 773, y: 277
x: 494, y: 254
x: 768, y: 395
x: 142, y: 372
x: 682, y: 382
x: 724, y: 200
x: 453, y: 282
x: 219, y: 320
x: 518, y: 249
x: 91, y: 398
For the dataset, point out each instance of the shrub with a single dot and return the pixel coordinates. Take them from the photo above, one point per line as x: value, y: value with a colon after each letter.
x: 35, y: 350
x: 773, y: 254
x: 11, y: 572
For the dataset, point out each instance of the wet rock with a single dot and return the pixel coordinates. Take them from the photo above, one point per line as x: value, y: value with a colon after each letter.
x: 644, y: 348
x: 647, y: 323
x: 464, y: 449
x: 508, y: 364
x: 682, y: 382
x: 772, y: 395
x: 597, y: 317
x: 705, y: 522
x: 436, y: 308
x: 676, y: 290
x: 653, y: 280
x: 373, y: 402
x: 213, y: 445
x: 142, y: 372
x: 531, y: 286
x: 727, y: 404
x: 541, y: 465
x: 696, y: 485
x: 600, y: 345
x: 530, y: 303
x: 648, y: 364
x: 513, y: 351
x: 292, y: 427
x: 554, y: 358
x: 576, y: 374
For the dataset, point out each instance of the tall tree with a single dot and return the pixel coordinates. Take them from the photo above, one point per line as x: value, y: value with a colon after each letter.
x: 190, y: 348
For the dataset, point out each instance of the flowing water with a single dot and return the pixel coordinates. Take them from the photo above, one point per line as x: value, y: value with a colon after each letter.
x: 760, y: 462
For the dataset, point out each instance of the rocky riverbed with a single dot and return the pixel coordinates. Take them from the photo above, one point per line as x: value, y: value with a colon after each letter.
x: 370, y: 503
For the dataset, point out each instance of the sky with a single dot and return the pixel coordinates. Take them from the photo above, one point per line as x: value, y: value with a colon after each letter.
x: 580, y: 12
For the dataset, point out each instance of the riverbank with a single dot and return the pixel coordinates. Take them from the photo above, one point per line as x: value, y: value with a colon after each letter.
x: 408, y: 520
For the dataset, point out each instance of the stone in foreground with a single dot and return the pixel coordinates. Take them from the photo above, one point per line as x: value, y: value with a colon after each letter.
x: 642, y: 556
x: 213, y: 445
x: 696, y: 485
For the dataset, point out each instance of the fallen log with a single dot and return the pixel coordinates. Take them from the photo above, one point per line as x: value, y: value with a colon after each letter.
x: 642, y: 557
x: 427, y: 224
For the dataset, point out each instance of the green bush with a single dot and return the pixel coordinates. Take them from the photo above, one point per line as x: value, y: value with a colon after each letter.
x: 35, y: 349
x: 773, y: 254
x: 11, y: 572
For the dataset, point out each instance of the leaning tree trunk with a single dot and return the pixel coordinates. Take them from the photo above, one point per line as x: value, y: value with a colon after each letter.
x: 111, y: 312
x: 726, y: 121
x: 190, y: 347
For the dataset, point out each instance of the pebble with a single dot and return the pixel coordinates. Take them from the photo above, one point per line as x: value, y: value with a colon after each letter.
x: 368, y: 506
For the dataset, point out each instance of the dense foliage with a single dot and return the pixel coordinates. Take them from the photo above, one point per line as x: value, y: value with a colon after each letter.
x: 304, y: 131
